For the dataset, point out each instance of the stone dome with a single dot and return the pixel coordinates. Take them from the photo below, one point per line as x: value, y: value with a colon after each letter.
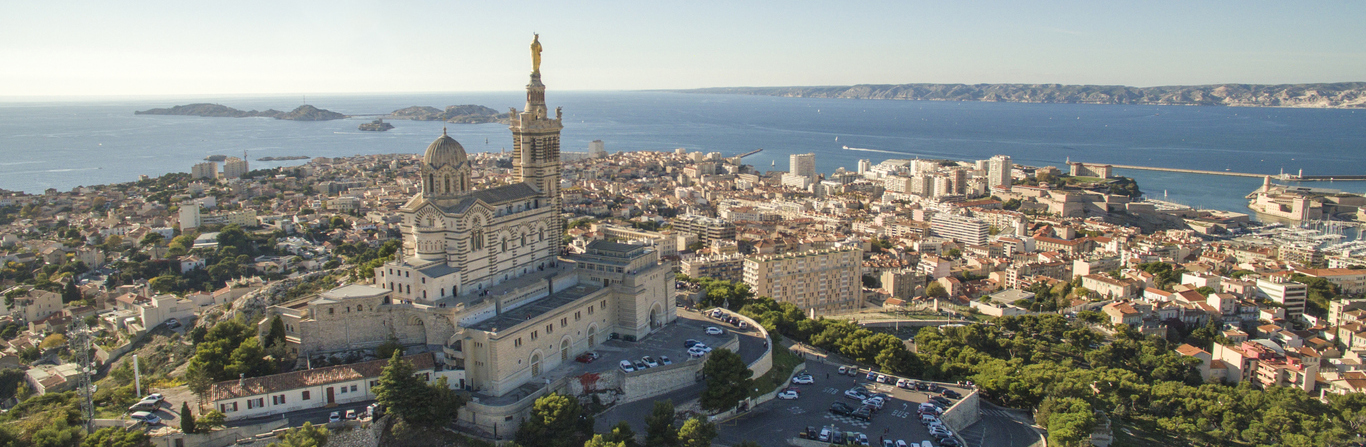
x: 444, y: 151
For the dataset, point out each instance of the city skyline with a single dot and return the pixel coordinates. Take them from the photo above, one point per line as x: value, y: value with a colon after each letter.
x: 153, y: 48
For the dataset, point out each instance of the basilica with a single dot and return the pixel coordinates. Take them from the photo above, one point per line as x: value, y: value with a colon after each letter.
x: 481, y: 282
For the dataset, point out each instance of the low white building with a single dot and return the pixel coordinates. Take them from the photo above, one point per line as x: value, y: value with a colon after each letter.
x: 314, y: 388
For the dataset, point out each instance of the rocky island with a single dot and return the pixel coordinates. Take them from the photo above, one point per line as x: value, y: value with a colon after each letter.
x: 461, y: 114
x: 1337, y: 95
x: 301, y: 113
x: 376, y: 126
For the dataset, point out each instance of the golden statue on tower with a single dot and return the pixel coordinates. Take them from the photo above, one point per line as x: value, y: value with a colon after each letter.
x: 536, y: 53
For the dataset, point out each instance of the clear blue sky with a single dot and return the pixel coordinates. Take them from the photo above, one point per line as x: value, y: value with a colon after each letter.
x: 243, y: 47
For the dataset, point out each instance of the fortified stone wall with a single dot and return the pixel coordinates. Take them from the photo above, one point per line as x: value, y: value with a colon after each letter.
x: 964, y: 413
x: 363, y: 330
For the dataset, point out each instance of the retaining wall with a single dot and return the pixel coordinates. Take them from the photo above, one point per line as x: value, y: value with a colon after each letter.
x: 963, y: 413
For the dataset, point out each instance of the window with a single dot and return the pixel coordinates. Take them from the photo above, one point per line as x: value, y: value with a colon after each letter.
x: 306, y: 397
x: 564, y: 321
x: 550, y: 328
x: 590, y: 310
x: 534, y: 335
x: 331, y: 311
x: 353, y: 388
x: 517, y: 343
x: 576, y: 316
x: 604, y: 304
x: 343, y: 390
x: 358, y: 307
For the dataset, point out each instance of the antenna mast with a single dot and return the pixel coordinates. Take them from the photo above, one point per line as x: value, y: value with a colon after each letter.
x: 80, y: 343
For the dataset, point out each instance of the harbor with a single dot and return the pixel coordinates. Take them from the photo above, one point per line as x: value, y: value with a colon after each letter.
x: 1282, y: 176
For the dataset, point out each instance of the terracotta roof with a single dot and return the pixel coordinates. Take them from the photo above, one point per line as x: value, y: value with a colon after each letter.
x: 1188, y: 350
x: 311, y: 377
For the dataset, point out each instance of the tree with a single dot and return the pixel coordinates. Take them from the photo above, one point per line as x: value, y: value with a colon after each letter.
x: 52, y: 341
x: 186, y: 418
x: 308, y: 435
x: 71, y: 292
x: 602, y: 441
x: 696, y: 433
x: 623, y: 433
x: 659, y: 425
x: 209, y: 421
x: 117, y: 437
x: 151, y: 238
x: 277, y: 332
x: 935, y: 290
x: 728, y: 381
x: 399, y: 390
x: 556, y: 420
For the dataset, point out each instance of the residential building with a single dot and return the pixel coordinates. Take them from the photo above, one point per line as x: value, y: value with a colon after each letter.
x: 828, y: 281
x: 1288, y: 294
x: 962, y: 229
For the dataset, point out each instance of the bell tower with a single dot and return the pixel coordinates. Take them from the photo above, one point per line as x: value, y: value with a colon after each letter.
x: 536, y: 141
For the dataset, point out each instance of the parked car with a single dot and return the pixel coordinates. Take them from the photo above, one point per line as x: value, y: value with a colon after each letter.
x: 843, y: 370
x: 941, y: 401
x: 713, y: 330
x: 586, y: 357
x: 787, y: 395
x: 856, y: 394
x: 690, y: 343
x: 145, y: 417
x: 172, y: 323
x: 921, y: 386
x: 702, y: 347
x: 837, y: 438
x: 144, y: 405
x: 862, y: 413
x: 627, y: 366
x: 901, y: 443
x: 810, y: 432
x: 888, y: 443
x: 649, y: 361
x: 825, y: 435
x: 876, y: 402
x: 334, y: 417
x: 949, y: 442
x: 951, y: 394
x: 881, y: 378
x: 939, y: 432
x: 872, y: 376
x: 155, y: 397
x: 934, y: 387
x: 350, y: 414
x: 862, y: 439
x: 903, y: 383
x: 805, y: 379
x: 695, y: 353
x: 664, y: 360
x: 841, y: 408
x: 641, y: 366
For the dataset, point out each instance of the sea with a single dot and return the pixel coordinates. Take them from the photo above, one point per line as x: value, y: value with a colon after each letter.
x: 64, y: 143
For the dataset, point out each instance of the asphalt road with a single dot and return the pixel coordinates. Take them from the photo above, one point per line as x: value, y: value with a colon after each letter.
x: 773, y: 423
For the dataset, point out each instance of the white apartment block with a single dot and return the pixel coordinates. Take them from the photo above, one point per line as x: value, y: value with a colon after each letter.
x: 206, y: 169
x: 803, y: 165
x: 960, y: 228
x: 234, y: 167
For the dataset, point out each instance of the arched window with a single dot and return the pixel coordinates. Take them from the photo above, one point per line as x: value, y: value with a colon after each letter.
x: 431, y: 183
x: 448, y: 183
x: 477, y: 237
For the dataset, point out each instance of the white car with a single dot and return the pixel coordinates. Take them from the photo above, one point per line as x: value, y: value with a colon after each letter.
x: 874, y: 401
x: 650, y: 362
x: 695, y: 353
x: 789, y: 394
x: 804, y: 379
x: 334, y: 417
x: 941, y: 432
x: 627, y: 366
x: 713, y: 330
x: 664, y: 360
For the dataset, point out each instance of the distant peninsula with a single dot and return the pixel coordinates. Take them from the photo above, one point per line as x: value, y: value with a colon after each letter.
x: 461, y: 114
x: 1343, y: 95
x: 302, y: 113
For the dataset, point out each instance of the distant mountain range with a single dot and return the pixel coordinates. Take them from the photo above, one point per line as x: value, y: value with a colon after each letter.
x: 1336, y: 95
x: 301, y: 113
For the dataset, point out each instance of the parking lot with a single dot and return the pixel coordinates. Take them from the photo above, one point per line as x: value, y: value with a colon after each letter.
x: 773, y: 423
x: 669, y: 342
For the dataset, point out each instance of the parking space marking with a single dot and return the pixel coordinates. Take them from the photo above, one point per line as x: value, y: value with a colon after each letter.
x: 796, y: 409
x: 831, y: 390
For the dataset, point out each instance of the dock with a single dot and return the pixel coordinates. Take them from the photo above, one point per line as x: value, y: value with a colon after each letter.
x: 1283, y: 177
x: 746, y: 154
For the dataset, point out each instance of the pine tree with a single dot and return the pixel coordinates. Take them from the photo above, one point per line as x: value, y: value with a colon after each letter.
x: 728, y: 380
x: 659, y: 425
x: 70, y: 292
x: 186, y: 418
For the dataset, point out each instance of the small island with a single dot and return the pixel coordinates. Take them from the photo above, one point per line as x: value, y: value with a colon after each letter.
x: 461, y: 114
x: 302, y: 113
x: 285, y: 158
x: 376, y: 126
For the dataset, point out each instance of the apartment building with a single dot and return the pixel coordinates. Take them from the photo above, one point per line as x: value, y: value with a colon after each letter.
x: 828, y: 281
x: 960, y: 228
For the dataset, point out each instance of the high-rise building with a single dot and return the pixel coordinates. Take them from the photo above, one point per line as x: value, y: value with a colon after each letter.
x: 234, y: 167
x: 1289, y: 294
x: 864, y: 166
x: 829, y: 281
x: 999, y: 171
x: 189, y: 216
x: 803, y: 165
x: 208, y: 170
x: 960, y: 228
x: 595, y: 149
